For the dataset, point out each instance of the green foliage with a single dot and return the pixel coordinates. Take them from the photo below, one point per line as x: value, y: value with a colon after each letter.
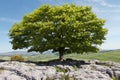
x: 65, y: 77
x: 75, y: 68
x: 63, y: 28
x: 115, y: 78
x: 17, y: 57
x: 1, y: 69
x: 61, y: 69
x: 49, y: 78
x: 57, y: 69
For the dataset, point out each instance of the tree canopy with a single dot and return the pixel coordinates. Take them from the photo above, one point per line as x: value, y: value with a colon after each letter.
x: 63, y: 28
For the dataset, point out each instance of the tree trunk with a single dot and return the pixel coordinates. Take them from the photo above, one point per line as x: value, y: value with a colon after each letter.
x: 61, y: 53
x: 61, y: 56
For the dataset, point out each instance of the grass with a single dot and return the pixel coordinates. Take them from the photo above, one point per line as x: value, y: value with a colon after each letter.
x: 4, y: 58
x: 105, y: 56
x: 41, y: 57
x: 115, y: 78
x: 1, y: 69
x: 102, y: 56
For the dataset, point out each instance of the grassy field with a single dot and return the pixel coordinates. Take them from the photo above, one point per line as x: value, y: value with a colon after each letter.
x: 4, y: 58
x: 102, y: 56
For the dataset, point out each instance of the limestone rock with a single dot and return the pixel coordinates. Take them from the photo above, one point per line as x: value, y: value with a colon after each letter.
x: 95, y: 70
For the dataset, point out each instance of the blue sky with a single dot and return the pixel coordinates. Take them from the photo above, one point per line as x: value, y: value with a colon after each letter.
x: 12, y: 11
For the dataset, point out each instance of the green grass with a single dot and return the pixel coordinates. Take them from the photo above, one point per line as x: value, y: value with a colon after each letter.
x: 1, y: 69
x: 4, y: 58
x: 106, y: 56
x: 41, y: 57
x: 103, y: 56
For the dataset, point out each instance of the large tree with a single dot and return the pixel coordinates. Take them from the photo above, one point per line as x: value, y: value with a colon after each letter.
x: 66, y: 28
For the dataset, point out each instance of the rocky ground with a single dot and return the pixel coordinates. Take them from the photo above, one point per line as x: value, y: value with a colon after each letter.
x: 56, y: 70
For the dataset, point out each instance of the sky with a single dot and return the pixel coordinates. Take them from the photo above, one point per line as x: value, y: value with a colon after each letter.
x: 12, y: 11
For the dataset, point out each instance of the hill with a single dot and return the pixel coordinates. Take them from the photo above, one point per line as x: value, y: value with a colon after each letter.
x: 23, y: 53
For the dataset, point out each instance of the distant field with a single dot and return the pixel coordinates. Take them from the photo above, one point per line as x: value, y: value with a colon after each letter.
x: 4, y: 58
x: 102, y: 56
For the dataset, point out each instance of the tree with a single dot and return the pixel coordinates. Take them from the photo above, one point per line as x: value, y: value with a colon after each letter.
x: 66, y: 28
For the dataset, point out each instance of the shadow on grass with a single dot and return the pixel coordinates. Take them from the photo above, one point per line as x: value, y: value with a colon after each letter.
x: 54, y: 62
x: 3, y: 60
x: 68, y: 61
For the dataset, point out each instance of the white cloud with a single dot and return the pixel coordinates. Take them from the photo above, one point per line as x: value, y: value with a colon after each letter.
x: 102, y: 10
x: 104, y: 3
x: 8, y: 20
x: 96, y: 9
x: 108, y: 11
